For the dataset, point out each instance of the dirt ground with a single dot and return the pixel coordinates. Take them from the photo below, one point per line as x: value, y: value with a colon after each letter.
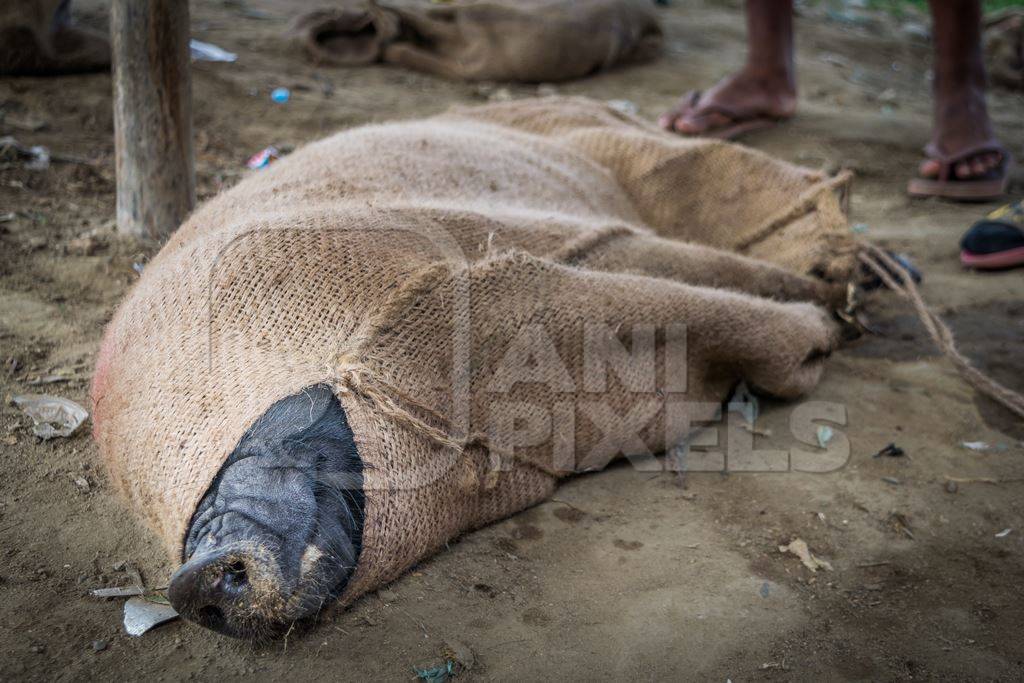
x: 625, y: 574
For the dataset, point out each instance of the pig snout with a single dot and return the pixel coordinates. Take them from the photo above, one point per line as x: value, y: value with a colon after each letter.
x: 277, y: 535
x: 227, y: 591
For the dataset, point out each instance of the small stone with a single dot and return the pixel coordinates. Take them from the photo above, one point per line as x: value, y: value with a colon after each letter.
x: 99, y: 645
x: 86, y: 245
x: 916, y: 30
x: 500, y: 95
x: 461, y: 653
x: 951, y: 487
x: 888, y: 96
x: 38, y: 649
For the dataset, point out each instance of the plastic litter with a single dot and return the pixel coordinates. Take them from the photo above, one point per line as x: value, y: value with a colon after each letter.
x: 32, y: 158
x: 141, y: 615
x: 624, y: 106
x: 52, y: 416
x: 744, y: 402
x: 874, y: 282
x: 263, y: 158
x: 1004, y: 533
x: 976, y: 445
x: 437, y: 674
x: 208, y: 52
x: 117, y: 592
x: 825, y: 435
x: 280, y: 95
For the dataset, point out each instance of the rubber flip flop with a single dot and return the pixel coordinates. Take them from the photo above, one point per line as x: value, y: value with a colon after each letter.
x: 990, y: 186
x: 997, y: 241
x: 740, y: 125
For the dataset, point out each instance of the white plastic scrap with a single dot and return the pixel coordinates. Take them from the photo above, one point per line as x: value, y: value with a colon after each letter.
x: 140, y: 615
x: 744, y: 403
x: 39, y: 159
x: 976, y: 445
x: 624, y: 106
x: 116, y: 592
x: 208, y: 52
x: 53, y: 415
x: 825, y: 435
x: 1004, y: 533
x: 34, y: 158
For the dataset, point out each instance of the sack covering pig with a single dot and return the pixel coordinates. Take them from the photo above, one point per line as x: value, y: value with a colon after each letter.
x: 409, y: 330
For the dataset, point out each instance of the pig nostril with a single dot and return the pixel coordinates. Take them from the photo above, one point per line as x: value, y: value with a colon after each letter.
x: 211, y: 617
x: 235, y: 574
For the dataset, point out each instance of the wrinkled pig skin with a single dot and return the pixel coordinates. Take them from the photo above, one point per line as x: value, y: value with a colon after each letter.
x: 277, y: 535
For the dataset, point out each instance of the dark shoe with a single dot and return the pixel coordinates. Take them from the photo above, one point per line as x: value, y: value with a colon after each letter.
x: 997, y: 241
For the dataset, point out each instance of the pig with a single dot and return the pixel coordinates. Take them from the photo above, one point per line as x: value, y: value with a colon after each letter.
x: 278, y: 533
x: 307, y: 391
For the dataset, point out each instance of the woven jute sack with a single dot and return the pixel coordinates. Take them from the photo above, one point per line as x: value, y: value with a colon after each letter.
x: 483, y: 40
x: 448, y: 278
x: 37, y: 38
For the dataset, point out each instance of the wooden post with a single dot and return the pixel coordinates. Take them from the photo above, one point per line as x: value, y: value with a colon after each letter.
x: 156, y: 186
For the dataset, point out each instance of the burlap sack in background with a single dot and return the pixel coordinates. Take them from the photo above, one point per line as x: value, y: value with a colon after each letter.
x: 484, y: 40
x: 403, y: 263
x: 37, y: 38
x: 1004, y: 48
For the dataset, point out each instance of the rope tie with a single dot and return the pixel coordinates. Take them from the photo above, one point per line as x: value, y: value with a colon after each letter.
x: 883, y: 265
x: 814, y: 198
x: 355, y: 380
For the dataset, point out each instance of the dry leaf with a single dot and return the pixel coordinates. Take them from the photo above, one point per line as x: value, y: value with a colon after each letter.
x: 799, y: 548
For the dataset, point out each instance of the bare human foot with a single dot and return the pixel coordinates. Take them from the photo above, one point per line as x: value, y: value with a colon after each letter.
x: 962, y: 139
x: 764, y: 89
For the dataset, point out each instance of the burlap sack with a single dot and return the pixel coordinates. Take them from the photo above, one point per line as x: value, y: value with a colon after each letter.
x: 1004, y: 48
x: 484, y: 40
x: 406, y: 264
x: 37, y: 38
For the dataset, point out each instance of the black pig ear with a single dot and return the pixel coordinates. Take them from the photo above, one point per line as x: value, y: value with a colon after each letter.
x: 307, y: 430
x: 291, y: 416
x: 306, y: 433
